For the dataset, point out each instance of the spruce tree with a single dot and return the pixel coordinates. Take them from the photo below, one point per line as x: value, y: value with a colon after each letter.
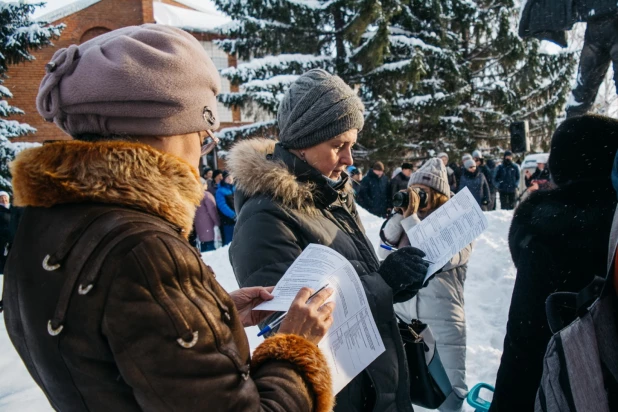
x: 280, y: 40
x: 453, y: 75
x: 433, y: 74
x: 18, y: 36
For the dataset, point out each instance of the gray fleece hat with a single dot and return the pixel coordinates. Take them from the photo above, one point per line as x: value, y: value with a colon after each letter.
x: 316, y: 108
x: 152, y: 80
x: 433, y: 174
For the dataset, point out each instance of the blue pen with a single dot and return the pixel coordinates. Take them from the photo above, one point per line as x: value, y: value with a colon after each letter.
x: 393, y: 249
x: 277, y: 321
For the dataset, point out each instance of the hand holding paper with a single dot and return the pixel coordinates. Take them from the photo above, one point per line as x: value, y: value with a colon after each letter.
x: 448, y: 230
x: 310, y: 315
x: 353, y: 341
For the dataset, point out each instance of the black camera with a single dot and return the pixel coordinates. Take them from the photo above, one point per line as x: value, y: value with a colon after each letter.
x: 402, y: 199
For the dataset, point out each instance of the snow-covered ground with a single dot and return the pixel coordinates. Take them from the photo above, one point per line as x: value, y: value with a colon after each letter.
x: 490, y: 280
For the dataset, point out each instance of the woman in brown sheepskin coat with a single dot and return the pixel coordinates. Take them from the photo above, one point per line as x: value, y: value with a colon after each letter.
x: 107, y: 303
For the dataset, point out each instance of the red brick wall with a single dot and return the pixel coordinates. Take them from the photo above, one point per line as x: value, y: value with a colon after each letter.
x: 24, y: 78
x: 84, y: 25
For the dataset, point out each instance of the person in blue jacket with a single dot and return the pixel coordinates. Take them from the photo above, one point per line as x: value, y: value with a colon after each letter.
x: 507, y: 181
x: 225, y: 205
x: 474, y: 179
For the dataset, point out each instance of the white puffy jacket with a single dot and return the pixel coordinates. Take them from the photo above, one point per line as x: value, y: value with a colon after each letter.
x: 441, y: 306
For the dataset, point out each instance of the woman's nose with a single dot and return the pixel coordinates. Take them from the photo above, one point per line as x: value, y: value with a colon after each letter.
x: 346, y: 158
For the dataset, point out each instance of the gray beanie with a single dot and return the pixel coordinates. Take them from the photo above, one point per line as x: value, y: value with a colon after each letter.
x: 469, y: 163
x: 316, y: 108
x: 141, y: 80
x: 432, y: 174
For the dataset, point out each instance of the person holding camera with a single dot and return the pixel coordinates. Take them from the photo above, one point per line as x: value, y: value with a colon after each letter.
x: 440, y: 303
x: 475, y: 181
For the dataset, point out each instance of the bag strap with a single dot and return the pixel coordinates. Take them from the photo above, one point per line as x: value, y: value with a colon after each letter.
x: 562, y: 308
x: 589, y: 294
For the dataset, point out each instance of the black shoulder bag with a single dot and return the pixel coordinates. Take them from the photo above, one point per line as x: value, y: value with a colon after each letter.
x: 429, y: 384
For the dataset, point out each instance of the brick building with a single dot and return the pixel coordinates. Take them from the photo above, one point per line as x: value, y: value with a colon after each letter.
x: 86, y: 19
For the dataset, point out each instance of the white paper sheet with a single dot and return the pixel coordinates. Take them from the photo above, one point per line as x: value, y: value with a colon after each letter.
x: 448, y: 230
x: 353, y: 341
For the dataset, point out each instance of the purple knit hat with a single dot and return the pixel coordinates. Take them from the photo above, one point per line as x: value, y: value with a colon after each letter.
x: 149, y: 80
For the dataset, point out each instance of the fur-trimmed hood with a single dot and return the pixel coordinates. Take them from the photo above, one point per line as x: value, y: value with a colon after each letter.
x: 127, y: 174
x: 571, y: 215
x: 256, y: 171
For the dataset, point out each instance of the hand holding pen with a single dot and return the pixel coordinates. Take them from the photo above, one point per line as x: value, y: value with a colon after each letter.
x: 308, y: 315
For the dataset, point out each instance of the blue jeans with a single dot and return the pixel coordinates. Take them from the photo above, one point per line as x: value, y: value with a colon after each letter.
x: 208, y: 246
x: 228, y: 234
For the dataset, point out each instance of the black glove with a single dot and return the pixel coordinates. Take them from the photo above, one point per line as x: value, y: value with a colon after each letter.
x: 404, y: 271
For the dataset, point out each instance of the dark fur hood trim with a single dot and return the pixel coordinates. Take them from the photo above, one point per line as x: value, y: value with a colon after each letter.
x: 571, y: 212
x: 257, y: 174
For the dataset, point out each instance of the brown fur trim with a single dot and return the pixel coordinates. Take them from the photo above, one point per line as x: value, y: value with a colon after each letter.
x: 307, y: 357
x: 128, y: 174
x: 255, y: 174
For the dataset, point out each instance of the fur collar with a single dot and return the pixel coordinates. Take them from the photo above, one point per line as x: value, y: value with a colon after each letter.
x: 257, y: 172
x: 127, y: 174
x: 571, y: 213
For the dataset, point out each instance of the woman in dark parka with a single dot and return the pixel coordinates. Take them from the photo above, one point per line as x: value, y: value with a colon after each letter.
x: 296, y: 192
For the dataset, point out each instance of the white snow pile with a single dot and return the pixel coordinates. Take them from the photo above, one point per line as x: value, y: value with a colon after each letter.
x: 206, y: 20
x: 54, y: 10
x: 488, y: 288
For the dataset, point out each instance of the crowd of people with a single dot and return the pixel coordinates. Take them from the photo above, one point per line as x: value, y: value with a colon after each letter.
x: 110, y: 306
x: 484, y: 179
x: 215, y: 217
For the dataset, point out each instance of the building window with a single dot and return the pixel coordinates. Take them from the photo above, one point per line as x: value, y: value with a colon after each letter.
x: 220, y: 59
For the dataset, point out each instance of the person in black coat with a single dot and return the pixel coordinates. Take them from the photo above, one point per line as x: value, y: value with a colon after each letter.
x: 400, y: 181
x: 5, y: 224
x: 452, y: 179
x: 493, y: 190
x: 374, y: 191
x: 479, y: 160
x: 558, y: 241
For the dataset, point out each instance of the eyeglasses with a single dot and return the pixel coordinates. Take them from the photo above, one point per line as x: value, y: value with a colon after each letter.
x: 210, y: 143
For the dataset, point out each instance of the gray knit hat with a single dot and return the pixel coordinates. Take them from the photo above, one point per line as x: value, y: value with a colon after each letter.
x: 316, y: 108
x: 141, y: 80
x: 432, y: 174
x: 469, y: 163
